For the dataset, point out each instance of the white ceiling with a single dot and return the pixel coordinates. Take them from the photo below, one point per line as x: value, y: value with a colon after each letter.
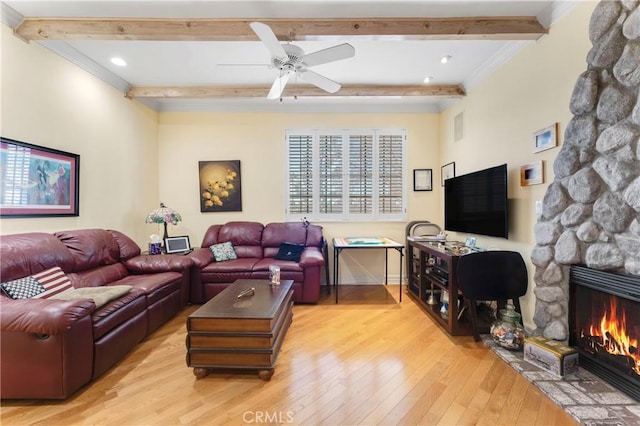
x: 177, y: 63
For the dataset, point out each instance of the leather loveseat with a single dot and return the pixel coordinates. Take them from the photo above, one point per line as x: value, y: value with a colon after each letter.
x: 256, y: 246
x: 49, y: 347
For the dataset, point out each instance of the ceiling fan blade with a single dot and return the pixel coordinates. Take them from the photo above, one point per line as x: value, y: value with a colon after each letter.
x: 320, y: 81
x: 266, y: 35
x: 245, y: 65
x: 330, y: 54
x: 278, y: 86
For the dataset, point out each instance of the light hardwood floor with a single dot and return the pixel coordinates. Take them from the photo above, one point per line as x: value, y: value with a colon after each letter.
x: 367, y: 360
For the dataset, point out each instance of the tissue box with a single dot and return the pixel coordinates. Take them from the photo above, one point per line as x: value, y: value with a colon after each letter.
x: 551, y: 355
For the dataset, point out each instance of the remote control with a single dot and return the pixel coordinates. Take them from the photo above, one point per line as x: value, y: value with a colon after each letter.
x: 247, y: 292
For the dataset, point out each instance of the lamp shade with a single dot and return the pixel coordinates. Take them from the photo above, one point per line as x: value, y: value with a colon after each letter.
x: 164, y: 215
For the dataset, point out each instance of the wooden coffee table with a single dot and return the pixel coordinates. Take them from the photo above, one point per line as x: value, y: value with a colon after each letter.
x: 229, y: 332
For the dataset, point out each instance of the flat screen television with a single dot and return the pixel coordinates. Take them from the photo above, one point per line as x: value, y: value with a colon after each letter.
x: 476, y: 203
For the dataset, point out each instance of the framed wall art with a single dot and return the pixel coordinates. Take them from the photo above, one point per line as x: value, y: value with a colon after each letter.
x: 447, y: 171
x: 422, y: 180
x: 220, y: 189
x: 532, y: 173
x: 38, y: 181
x: 546, y: 138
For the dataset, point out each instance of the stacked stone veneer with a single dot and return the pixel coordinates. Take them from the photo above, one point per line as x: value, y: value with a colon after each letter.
x: 591, y: 211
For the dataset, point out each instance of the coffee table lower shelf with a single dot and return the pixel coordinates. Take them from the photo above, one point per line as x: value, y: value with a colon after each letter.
x: 221, y: 342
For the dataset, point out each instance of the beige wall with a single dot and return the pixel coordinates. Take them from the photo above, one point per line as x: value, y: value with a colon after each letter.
x: 257, y: 140
x: 528, y: 93
x: 48, y: 101
x: 132, y: 157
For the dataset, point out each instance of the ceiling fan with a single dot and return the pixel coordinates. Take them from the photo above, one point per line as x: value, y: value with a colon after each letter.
x: 291, y: 60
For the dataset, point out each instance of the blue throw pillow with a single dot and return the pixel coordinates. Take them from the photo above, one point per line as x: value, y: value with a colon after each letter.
x: 289, y: 251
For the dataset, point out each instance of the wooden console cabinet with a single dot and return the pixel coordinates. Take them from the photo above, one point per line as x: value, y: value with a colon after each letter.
x: 432, y: 272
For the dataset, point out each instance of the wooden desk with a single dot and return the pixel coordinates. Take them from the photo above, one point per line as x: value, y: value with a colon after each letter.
x: 340, y: 244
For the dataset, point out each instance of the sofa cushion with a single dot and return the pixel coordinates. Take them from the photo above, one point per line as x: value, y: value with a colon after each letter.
x: 276, y: 233
x: 155, y: 286
x: 128, y: 248
x: 22, y: 288
x: 90, y: 248
x: 27, y: 254
x: 237, y: 265
x: 101, y: 275
x: 117, y: 312
x: 223, y: 251
x: 289, y: 251
x: 99, y: 295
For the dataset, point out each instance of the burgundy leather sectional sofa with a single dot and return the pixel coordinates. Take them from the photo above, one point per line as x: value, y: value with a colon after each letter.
x: 256, y: 246
x: 50, y: 348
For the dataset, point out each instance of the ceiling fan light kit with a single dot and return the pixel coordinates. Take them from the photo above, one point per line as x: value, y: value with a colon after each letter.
x: 291, y: 60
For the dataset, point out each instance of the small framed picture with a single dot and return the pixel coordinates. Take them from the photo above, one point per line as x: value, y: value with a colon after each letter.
x: 447, y: 171
x: 546, y: 138
x: 532, y: 173
x: 422, y: 180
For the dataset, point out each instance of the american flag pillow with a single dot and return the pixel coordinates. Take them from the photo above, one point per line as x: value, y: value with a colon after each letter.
x: 54, y: 282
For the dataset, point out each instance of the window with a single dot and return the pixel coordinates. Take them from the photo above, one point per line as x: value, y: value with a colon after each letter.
x: 355, y: 175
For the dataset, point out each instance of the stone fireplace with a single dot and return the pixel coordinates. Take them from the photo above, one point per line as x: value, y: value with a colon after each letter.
x: 591, y: 211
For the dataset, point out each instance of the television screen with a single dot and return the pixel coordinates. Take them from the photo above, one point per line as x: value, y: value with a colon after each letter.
x: 476, y: 203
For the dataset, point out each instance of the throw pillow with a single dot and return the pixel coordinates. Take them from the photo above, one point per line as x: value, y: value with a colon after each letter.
x: 223, y: 251
x: 22, y: 288
x: 289, y: 251
x: 54, y: 281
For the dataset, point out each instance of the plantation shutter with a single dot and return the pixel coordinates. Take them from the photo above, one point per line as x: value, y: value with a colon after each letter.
x: 330, y: 169
x: 360, y: 174
x: 390, y: 174
x: 348, y: 174
x: 300, y: 174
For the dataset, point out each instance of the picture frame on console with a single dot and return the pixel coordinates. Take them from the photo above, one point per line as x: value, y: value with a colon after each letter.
x: 422, y: 179
x: 447, y: 171
x: 38, y: 181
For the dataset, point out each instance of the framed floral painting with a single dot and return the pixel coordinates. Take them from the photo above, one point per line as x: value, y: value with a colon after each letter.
x: 220, y: 189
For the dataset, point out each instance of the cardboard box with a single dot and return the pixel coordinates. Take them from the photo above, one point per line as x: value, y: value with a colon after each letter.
x: 551, y: 355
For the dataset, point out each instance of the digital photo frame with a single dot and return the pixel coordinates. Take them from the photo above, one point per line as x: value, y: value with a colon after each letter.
x: 177, y: 245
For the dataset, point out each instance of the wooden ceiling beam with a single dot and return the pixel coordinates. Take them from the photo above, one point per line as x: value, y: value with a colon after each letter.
x: 468, y: 28
x: 259, y: 91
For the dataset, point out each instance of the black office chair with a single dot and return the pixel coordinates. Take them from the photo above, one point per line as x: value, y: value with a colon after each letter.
x: 491, y: 275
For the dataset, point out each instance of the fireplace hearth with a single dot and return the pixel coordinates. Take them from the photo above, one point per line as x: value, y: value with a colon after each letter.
x: 604, y: 325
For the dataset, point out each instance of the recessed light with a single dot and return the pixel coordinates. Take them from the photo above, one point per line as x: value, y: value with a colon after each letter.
x: 445, y: 59
x: 428, y: 79
x: 119, y: 62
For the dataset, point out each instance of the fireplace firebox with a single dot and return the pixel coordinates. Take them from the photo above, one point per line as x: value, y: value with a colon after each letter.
x: 604, y: 325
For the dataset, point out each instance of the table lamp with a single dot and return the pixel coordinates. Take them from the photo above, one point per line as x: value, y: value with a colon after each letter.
x: 164, y: 215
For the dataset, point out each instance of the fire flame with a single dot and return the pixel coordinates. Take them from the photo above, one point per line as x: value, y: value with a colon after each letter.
x: 615, y: 340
